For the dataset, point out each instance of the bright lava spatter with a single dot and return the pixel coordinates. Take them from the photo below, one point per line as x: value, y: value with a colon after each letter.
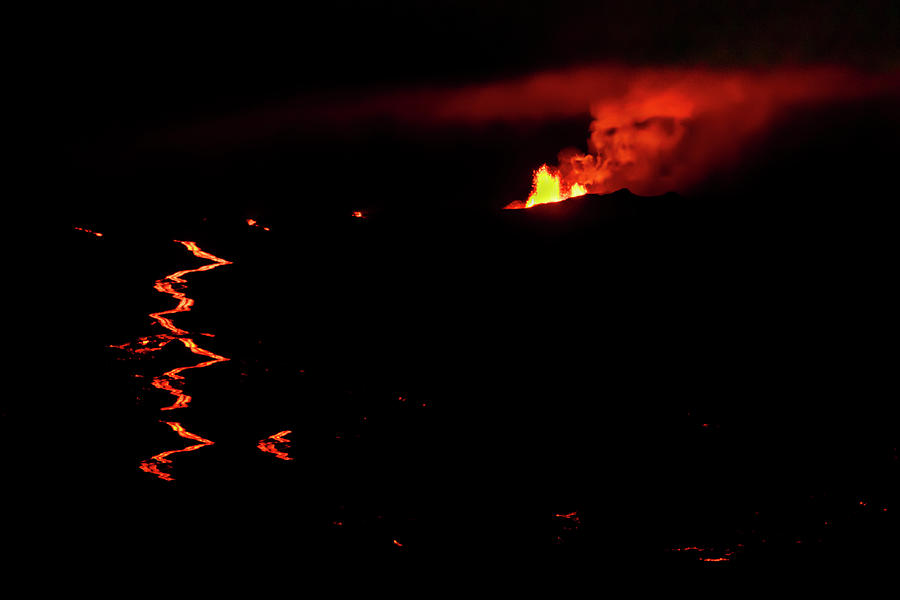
x: 171, y: 381
x: 268, y: 445
x: 546, y: 188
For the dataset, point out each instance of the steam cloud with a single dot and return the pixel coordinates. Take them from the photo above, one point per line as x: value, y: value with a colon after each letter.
x: 656, y: 130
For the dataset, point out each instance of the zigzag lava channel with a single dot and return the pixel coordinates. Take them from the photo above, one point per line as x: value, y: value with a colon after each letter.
x: 171, y: 381
x: 269, y: 444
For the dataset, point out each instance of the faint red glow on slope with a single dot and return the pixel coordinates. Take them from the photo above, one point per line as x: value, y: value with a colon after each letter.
x: 154, y: 464
x: 269, y: 445
x: 98, y: 234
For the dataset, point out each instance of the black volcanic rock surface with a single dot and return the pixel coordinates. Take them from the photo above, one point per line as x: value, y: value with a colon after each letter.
x: 663, y: 366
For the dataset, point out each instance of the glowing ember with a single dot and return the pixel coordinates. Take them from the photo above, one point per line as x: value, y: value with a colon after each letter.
x: 268, y: 445
x: 547, y: 189
x: 98, y: 234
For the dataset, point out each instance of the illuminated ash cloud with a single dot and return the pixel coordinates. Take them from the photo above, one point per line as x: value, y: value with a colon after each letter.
x: 668, y: 129
x: 654, y: 129
x: 661, y: 130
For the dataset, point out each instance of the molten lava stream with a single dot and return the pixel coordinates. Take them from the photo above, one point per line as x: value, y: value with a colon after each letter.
x: 171, y: 381
x: 174, y: 284
x: 153, y: 464
x: 269, y: 445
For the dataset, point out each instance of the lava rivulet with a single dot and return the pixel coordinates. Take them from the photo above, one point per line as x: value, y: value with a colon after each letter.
x: 269, y: 445
x: 152, y: 465
x: 547, y: 188
x: 174, y: 285
x: 724, y: 556
x: 172, y: 380
x: 167, y: 381
x: 96, y: 233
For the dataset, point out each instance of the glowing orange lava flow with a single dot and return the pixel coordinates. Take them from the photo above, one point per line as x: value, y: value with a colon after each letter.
x: 255, y: 223
x: 171, y: 381
x: 154, y: 463
x: 174, y: 284
x: 167, y: 380
x: 268, y: 445
x: 97, y: 233
x: 546, y: 188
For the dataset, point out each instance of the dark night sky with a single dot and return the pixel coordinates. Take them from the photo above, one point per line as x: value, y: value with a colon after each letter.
x: 126, y: 70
